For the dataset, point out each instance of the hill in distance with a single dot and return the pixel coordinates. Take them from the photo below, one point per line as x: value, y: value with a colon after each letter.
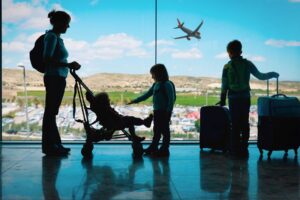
x: 12, y: 81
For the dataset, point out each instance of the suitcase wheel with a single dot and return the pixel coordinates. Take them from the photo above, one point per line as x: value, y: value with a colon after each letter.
x: 137, y: 148
x: 87, y: 149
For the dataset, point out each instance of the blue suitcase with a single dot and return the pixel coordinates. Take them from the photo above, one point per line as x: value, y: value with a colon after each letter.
x: 278, y: 123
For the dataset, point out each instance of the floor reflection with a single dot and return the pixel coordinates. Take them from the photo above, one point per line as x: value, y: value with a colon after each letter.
x: 278, y: 178
x: 50, y: 171
x: 222, y: 177
x: 103, y: 182
x: 112, y: 174
x: 161, y: 179
x: 239, y: 180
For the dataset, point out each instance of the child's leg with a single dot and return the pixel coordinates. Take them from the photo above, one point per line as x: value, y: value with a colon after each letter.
x: 166, y: 131
x: 129, y: 123
x: 245, y: 129
x: 235, y: 139
x: 133, y: 135
x: 130, y: 120
x: 157, y: 130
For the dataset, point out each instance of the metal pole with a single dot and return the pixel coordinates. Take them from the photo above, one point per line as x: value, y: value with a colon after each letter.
x: 26, y: 99
x: 267, y: 87
x: 155, y: 31
x: 1, y: 82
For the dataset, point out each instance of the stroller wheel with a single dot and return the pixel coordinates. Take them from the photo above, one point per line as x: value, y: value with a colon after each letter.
x: 87, y: 149
x: 137, y: 148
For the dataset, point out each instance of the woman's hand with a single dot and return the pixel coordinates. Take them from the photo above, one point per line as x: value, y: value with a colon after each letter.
x: 74, y: 65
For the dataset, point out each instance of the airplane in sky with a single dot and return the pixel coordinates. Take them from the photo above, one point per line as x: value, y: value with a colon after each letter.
x: 189, y: 32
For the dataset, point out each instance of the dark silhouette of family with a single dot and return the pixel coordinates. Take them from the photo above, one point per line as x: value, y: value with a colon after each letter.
x: 235, y: 85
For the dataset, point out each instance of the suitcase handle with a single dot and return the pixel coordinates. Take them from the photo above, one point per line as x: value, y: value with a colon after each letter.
x: 278, y: 95
x: 276, y: 87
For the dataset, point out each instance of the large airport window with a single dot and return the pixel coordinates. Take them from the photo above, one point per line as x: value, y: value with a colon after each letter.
x: 118, y: 41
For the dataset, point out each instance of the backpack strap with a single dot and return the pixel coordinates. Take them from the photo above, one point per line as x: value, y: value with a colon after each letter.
x: 235, y: 71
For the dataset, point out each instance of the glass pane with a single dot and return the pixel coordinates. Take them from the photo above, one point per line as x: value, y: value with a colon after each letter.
x: 198, y: 63
x: 113, y: 40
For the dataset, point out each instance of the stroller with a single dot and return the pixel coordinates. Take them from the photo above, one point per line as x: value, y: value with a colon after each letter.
x: 95, y: 135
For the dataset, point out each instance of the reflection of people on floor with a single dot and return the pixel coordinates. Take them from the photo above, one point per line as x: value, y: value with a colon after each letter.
x: 102, y: 182
x: 239, y: 179
x: 161, y: 179
x: 270, y: 173
x: 215, y: 173
x: 50, y: 169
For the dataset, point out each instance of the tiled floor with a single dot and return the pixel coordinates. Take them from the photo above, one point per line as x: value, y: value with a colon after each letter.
x: 113, y: 174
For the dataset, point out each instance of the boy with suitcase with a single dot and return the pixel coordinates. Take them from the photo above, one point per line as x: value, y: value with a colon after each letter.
x: 235, y: 83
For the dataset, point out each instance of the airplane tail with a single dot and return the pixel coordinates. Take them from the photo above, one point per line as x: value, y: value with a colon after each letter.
x: 179, y: 24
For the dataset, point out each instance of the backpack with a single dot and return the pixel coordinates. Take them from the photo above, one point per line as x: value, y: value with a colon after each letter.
x: 36, y: 54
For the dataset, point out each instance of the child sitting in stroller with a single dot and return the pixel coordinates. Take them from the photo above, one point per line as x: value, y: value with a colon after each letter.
x: 112, y: 120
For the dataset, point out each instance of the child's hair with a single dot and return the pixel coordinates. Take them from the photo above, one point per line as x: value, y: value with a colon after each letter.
x: 58, y: 17
x: 234, y: 47
x: 160, y: 72
x: 102, y: 100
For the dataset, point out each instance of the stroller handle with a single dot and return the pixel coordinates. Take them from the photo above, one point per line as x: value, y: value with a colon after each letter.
x: 78, y: 79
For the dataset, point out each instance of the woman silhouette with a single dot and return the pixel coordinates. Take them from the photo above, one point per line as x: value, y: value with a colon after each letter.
x: 56, y: 70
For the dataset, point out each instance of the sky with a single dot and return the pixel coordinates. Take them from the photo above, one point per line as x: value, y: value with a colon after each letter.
x: 117, y: 36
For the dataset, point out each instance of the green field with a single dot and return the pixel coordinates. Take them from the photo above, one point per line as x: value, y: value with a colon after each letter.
x: 119, y: 98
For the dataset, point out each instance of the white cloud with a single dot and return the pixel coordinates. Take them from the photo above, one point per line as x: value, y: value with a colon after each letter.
x: 106, y: 48
x: 282, y: 43
x: 294, y: 1
x: 28, y: 15
x: 119, y: 40
x: 76, y: 45
x: 193, y: 53
x: 33, y: 37
x: 223, y: 55
x: 15, y: 46
x: 35, y: 23
x: 258, y: 58
x: 15, y: 12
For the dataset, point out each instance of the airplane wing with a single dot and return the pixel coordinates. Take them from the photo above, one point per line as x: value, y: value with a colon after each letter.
x: 198, y: 27
x: 181, y: 37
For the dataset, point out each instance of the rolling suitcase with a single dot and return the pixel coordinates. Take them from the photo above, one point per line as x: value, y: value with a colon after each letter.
x: 278, y: 123
x: 215, y: 127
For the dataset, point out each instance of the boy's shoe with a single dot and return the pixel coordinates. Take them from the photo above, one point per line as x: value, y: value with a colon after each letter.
x: 64, y: 148
x: 148, y: 120
x: 162, y: 153
x: 55, y: 150
x: 150, y: 150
